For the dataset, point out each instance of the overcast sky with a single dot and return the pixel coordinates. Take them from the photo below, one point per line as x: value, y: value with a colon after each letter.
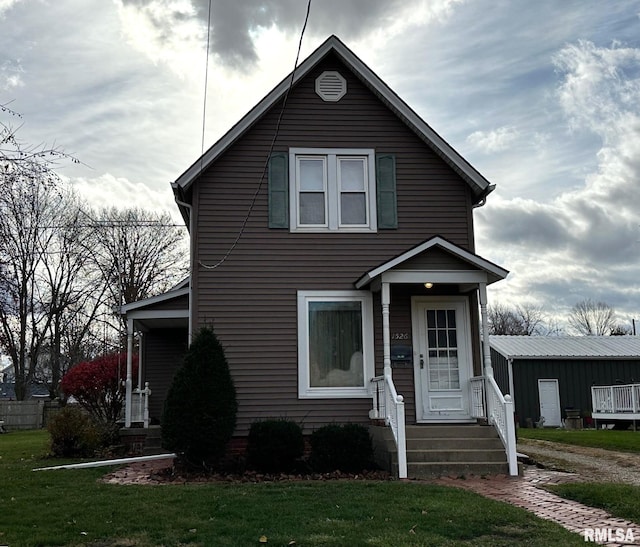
x: 542, y: 97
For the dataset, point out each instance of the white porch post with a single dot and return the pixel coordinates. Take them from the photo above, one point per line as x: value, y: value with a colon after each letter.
x: 127, y: 401
x: 386, y: 334
x: 398, y: 402
x: 488, y: 368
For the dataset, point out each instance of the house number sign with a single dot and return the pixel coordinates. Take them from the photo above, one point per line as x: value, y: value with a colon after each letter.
x: 399, y: 336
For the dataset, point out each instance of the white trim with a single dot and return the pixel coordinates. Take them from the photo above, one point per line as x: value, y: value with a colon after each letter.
x: 127, y: 308
x: 331, y: 157
x: 459, y: 252
x: 435, y: 276
x: 464, y: 344
x: 305, y: 391
x: 480, y: 186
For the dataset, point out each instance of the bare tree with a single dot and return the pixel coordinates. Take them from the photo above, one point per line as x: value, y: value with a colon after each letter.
x: 591, y: 318
x: 139, y: 253
x: 25, y: 217
x: 71, y: 288
x: 32, y: 162
x: 521, y: 320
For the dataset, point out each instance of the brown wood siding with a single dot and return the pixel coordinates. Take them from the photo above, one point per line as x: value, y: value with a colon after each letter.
x: 165, y: 348
x: 435, y: 259
x: 250, y: 300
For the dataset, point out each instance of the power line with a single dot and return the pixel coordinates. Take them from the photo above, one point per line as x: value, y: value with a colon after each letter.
x: 266, y: 163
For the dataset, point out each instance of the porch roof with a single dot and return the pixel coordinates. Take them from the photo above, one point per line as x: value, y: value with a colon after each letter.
x: 167, y: 310
x: 471, y: 268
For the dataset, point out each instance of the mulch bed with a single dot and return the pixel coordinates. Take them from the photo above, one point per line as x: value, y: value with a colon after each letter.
x: 164, y: 472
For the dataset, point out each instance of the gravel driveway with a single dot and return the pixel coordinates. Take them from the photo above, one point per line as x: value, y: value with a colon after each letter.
x: 592, y: 464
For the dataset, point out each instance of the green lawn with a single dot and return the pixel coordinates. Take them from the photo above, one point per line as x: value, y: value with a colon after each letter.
x: 621, y: 500
x: 625, y: 441
x: 72, y: 507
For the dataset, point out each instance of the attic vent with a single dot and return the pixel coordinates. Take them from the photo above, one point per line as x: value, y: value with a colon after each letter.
x: 331, y: 86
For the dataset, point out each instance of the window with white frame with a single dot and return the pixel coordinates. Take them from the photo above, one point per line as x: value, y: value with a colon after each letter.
x: 335, y: 343
x: 332, y: 190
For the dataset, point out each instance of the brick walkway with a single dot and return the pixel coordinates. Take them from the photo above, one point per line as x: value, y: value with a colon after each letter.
x: 524, y: 492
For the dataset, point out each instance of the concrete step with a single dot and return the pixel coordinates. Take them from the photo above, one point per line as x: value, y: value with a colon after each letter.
x: 428, y: 470
x: 457, y: 456
x: 453, y: 444
x: 450, y: 431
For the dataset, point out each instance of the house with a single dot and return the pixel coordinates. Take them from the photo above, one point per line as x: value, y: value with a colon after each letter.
x: 548, y: 374
x: 332, y: 250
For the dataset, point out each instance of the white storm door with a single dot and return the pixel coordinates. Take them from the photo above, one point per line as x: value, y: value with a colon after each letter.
x: 549, y: 395
x: 442, y: 360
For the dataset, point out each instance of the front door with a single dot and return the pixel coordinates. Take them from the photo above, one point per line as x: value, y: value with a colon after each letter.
x: 442, y: 359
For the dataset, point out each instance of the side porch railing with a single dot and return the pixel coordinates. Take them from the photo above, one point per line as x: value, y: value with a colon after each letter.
x: 389, y: 406
x: 488, y: 402
x: 140, y: 405
x: 617, y: 399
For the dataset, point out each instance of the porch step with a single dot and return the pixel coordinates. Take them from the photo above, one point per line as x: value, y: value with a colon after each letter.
x: 430, y: 470
x: 445, y: 450
x: 468, y: 455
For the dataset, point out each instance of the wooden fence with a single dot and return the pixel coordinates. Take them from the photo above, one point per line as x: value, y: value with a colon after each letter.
x: 32, y: 414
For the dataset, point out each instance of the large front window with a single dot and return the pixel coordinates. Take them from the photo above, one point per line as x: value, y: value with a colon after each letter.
x: 332, y: 189
x: 335, y: 347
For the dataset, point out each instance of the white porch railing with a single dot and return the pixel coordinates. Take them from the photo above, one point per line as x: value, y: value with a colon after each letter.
x: 140, y: 405
x: 389, y: 406
x: 488, y: 402
x: 618, y: 399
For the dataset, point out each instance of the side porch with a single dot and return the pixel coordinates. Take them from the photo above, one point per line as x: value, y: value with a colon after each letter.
x: 620, y: 402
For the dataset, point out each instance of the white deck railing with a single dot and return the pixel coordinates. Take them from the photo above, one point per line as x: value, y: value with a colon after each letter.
x: 389, y: 406
x: 488, y: 402
x: 618, y: 399
x: 140, y: 405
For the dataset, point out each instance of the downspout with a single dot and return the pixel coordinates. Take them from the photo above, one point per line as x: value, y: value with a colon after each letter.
x: 483, y: 199
x: 191, y: 265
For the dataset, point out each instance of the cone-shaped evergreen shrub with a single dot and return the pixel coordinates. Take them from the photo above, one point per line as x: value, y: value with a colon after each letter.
x: 200, y: 409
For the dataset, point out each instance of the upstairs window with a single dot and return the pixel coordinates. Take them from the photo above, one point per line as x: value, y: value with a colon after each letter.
x: 332, y: 190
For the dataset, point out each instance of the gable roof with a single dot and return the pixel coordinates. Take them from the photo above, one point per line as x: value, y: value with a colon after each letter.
x: 495, y: 272
x: 567, y: 347
x: 478, y: 184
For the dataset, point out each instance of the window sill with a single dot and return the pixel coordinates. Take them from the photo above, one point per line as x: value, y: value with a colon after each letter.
x: 335, y: 393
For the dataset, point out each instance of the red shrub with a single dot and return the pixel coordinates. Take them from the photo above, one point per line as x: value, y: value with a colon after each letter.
x: 98, y: 385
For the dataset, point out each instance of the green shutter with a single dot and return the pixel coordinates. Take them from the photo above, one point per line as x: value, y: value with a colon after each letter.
x: 279, y: 190
x: 386, y: 190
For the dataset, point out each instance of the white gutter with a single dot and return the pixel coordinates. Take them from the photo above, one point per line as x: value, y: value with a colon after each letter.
x: 104, y: 463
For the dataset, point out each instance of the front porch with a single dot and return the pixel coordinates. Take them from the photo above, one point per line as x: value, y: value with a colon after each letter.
x: 452, y: 372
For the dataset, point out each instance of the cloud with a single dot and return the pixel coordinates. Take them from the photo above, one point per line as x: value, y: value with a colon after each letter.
x: 589, y: 234
x: 166, y: 29
x: 108, y: 190
x: 11, y: 75
x: 5, y: 5
x: 494, y: 141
